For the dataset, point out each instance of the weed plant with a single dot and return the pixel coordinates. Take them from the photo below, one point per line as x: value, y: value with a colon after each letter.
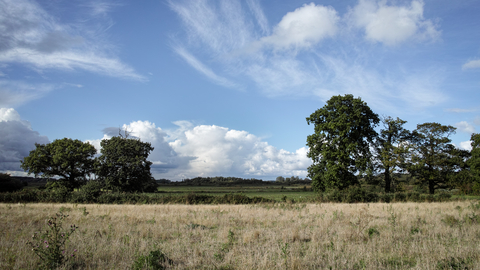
x: 49, y: 246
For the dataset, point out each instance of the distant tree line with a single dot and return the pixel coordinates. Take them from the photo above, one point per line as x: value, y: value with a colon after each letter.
x: 71, y: 164
x: 220, y: 180
x: 293, y: 180
x: 345, y: 147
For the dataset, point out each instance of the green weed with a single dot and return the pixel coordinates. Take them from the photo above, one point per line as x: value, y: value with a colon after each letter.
x: 155, y: 260
x: 50, y: 245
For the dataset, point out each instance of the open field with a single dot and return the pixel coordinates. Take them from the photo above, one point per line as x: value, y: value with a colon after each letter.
x: 273, y: 192
x: 261, y: 236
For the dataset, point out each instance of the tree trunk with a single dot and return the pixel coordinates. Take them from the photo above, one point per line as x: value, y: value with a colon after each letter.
x: 431, y: 186
x: 388, y: 180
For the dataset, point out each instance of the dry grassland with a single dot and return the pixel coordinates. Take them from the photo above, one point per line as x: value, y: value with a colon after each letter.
x: 263, y: 236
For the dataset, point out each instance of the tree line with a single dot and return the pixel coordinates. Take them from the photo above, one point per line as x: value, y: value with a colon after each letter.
x: 122, y: 165
x: 345, y: 146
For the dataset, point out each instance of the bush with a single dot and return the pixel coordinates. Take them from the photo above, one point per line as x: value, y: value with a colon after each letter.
x: 89, y: 192
x: 386, y: 197
x: 400, y: 197
x: 443, y: 196
x: 9, y: 184
x: 155, y: 260
x: 413, y: 196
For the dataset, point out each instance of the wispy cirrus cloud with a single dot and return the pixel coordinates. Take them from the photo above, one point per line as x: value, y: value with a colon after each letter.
x: 33, y: 37
x: 309, y: 51
x: 15, y: 93
x: 460, y: 110
x: 200, y: 67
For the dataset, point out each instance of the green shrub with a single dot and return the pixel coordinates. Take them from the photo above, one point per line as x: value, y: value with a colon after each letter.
x: 386, y: 197
x: 372, y: 232
x: 413, y: 196
x: 89, y: 192
x: 443, y: 196
x: 155, y: 260
x: 353, y: 194
x: 400, y: 197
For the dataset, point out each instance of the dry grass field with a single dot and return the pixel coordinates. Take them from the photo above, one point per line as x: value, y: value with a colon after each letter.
x: 262, y: 236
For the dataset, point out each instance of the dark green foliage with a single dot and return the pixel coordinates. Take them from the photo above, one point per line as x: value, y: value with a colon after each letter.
x: 72, y: 160
x: 155, y: 260
x: 61, y: 194
x: 372, y: 232
x: 340, y: 146
x: 123, y: 165
x: 391, y: 148
x: 353, y: 194
x: 400, y: 197
x: 9, y: 184
x: 471, y: 183
x: 89, y: 192
x: 431, y: 159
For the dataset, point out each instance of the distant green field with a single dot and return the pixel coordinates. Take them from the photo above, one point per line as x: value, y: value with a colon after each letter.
x: 276, y: 192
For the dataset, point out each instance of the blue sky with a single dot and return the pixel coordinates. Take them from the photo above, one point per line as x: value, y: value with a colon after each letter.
x: 224, y: 87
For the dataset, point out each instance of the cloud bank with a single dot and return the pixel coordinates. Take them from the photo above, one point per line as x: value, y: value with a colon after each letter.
x: 17, y: 139
x: 208, y: 150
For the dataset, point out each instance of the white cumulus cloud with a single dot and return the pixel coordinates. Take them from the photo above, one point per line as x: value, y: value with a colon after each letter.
x: 464, y: 126
x: 208, y: 150
x: 391, y: 24
x: 467, y: 145
x: 222, y: 151
x: 304, y: 27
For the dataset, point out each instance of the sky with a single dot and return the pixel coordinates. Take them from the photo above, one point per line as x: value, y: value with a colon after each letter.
x: 223, y: 88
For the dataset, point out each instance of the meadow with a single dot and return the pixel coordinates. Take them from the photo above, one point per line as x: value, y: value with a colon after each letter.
x: 260, y: 236
x: 273, y: 192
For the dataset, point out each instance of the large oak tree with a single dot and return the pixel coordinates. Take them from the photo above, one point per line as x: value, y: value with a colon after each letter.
x: 72, y: 160
x: 340, y: 146
x: 123, y: 165
x: 432, y: 155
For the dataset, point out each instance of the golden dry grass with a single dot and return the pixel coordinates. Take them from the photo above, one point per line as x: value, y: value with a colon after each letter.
x: 265, y: 236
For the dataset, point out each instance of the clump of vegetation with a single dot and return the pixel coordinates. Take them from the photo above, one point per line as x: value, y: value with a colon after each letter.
x: 455, y: 264
x: 49, y: 245
x: 155, y: 260
x: 9, y: 184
